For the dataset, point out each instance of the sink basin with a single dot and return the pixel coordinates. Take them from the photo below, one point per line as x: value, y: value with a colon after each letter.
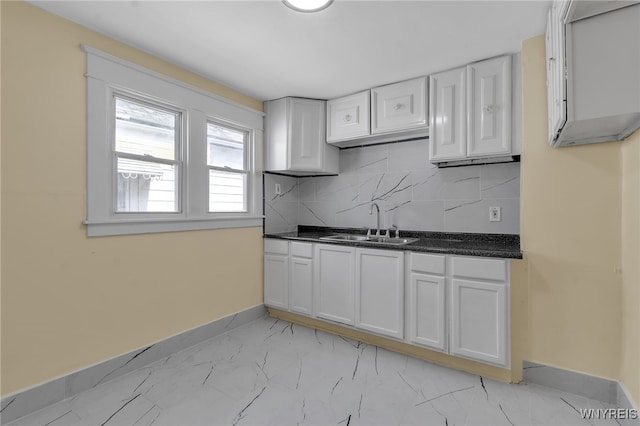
x: 370, y: 239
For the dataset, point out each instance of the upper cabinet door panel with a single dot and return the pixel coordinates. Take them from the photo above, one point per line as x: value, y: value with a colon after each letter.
x: 348, y: 117
x: 399, y: 106
x: 489, y: 103
x: 307, y: 134
x: 448, y: 123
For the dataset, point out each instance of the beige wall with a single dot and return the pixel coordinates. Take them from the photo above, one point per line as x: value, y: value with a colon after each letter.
x: 580, y: 237
x: 630, y: 353
x: 69, y: 301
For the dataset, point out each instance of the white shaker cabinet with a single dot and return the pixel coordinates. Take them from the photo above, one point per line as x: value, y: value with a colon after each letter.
x: 470, y: 111
x: 334, y: 283
x: 276, y: 273
x: 301, y: 277
x: 348, y: 117
x: 380, y: 291
x: 448, y: 115
x: 295, y: 138
x: 399, y: 106
x: 489, y: 107
x: 480, y: 309
x: 426, y: 300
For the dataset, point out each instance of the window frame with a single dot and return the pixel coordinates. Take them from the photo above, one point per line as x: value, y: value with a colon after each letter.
x: 108, y: 76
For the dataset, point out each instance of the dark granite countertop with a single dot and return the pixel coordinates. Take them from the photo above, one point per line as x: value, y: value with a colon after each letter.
x: 464, y: 244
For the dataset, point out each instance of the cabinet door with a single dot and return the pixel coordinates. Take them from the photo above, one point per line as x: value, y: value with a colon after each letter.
x: 399, y: 106
x: 447, y: 115
x: 276, y: 281
x: 380, y: 291
x: 489, y: 107
x: 334, y: 283
x: 556, y: 88
x: 300, y: 283
x: 426, y: 306
x: 348, y: 117
x: 479, y: 321
x: 306, y: 134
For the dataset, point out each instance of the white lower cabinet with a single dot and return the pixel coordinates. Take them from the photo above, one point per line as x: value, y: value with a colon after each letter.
x: 480, y: 309
x: 380, y: 291
x: 454, y: 304
x: 276, y: 273
x: 334, y: 283
x: 426, y: 301
x: 301, y: 278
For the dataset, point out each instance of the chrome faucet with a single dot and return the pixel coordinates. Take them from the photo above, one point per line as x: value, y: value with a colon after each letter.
x: 377, y: 218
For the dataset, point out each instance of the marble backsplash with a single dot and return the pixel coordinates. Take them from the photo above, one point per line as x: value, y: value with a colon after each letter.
x: 411, y: 193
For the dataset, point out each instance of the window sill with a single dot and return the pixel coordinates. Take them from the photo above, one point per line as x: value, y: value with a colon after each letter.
x: 148, y: 226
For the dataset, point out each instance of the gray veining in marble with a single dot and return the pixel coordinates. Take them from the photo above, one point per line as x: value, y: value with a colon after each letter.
x: 22, y: 403
x: 272, y: 372
x: 411, y: 192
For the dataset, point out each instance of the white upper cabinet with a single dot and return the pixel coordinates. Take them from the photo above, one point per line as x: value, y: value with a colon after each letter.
x: 399, y: 106
x: 471, y: 111
x: 448, y: 117
x: 295, y: 138
x: 348, y: 117
x: 593, y: 64
x: 387, y: 113
x: 489, y: 107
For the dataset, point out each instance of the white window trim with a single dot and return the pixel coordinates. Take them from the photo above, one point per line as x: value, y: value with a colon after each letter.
x: 107, y: 73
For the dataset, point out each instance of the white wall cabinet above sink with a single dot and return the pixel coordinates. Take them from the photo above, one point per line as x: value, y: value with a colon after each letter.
x: 295, y: 142
x: 395, y: 111
x: 349, y: 117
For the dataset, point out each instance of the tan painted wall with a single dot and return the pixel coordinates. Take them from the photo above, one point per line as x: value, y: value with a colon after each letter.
x: 571, y: 235
x: 69, y: 301
x: 630, y: 352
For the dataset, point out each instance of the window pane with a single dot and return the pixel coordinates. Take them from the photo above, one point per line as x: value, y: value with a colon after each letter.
x: 226, y: 147
x: 145, y: 130
x: 144, y: 186
x: 227, y: 191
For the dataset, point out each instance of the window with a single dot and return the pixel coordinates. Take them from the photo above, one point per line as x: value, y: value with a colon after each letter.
x: 166, y: 156
x: 147, y: 157
x: 227, y: 162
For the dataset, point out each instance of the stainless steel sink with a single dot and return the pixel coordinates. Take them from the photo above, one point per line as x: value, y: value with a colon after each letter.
x: 370, y: 239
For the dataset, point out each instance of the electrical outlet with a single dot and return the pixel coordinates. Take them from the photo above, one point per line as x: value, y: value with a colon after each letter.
x: 278, y: 189
x: 495, y: 214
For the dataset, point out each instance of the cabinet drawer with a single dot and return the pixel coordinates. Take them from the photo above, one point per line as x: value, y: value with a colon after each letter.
x: 302, y: 250
x: 276, y: 246
x: 482, y: 268
x: 427, y: 263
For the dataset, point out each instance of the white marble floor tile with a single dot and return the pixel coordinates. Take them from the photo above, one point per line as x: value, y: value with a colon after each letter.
x: 272, y: 372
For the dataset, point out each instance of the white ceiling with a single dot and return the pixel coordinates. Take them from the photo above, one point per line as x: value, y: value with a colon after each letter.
x: 266, y: 50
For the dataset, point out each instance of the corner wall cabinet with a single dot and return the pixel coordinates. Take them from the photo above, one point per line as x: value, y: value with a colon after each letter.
x: 295, y: 138
x: 453, y: 304
x: 470, y: 111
